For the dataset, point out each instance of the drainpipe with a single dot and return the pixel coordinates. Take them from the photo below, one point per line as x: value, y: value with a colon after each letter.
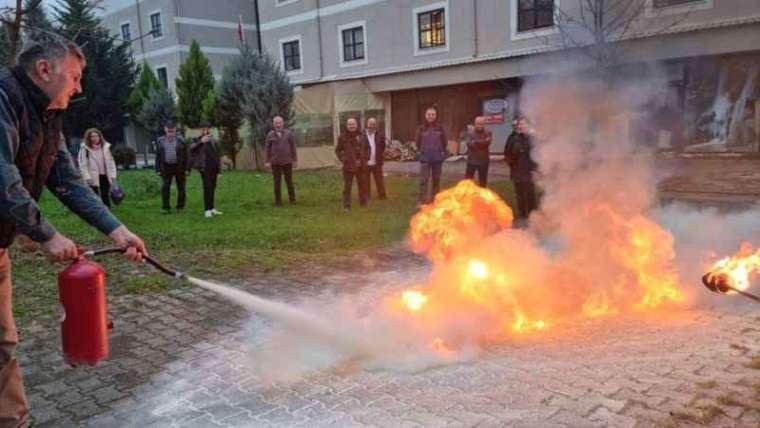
x: 177, y: 12
x: 319, y: 41
x: 475, y: 49
x: 140, y: 29
x: 258, y: 25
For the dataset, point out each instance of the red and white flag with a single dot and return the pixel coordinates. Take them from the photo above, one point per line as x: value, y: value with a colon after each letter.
x: 241, y: 32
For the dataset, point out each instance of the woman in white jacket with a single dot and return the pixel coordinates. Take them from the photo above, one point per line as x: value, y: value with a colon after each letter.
x: 97, y: 165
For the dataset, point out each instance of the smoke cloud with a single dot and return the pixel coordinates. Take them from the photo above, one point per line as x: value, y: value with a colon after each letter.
x: 599, y: 247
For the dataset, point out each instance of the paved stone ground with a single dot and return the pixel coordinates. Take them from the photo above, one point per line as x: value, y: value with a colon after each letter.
x: 182, y: 360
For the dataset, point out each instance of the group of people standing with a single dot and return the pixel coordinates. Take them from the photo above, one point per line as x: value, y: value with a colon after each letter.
x: 518, y: 154
x: 175, y: 159
x: 361, y: 155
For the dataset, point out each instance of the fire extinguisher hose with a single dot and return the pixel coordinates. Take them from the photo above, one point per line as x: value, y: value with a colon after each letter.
x: 155, y: 263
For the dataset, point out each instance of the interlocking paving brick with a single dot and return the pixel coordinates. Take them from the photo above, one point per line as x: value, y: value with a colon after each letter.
x: 107, y: 395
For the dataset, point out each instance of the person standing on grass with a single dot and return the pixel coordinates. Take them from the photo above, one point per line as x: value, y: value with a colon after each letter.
x: 96, y: 164
x: 374, y: 142
x: 33, y: 155
x: 353, y: 156
x: 518, y: 155
x: 478, y: 153
x: 172, y: 162
x: 206, y: 155
x: 282, y: 157
x: 431, y: 143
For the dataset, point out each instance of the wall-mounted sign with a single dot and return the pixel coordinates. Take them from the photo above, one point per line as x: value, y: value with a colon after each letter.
x: 496, y: 105
x: 494, y: 110
x: 492, y: 119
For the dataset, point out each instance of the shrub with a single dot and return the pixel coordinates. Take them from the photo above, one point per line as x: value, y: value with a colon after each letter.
x: 124, y: 155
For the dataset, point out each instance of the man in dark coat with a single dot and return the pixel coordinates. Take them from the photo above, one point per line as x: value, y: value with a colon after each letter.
x: 478, y: 152
x: 353, y: 155
x: 518, y: 155
x: 282, y: 157
x: 373, y: 142
x: 33, y: 155
x: 172, y: 162
x: 206, y: 156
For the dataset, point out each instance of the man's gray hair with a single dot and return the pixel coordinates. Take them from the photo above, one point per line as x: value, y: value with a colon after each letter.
x: 47, y: 46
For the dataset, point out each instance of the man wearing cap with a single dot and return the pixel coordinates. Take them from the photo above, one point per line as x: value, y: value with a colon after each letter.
x: 206, y: 155
x: 172, y: 162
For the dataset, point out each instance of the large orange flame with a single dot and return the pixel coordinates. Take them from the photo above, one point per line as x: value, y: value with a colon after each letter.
x: 458, y: 217
x: 500, y: 281
x: 741, y: 269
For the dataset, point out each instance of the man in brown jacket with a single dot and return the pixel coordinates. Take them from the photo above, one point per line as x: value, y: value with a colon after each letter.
x: 478, y: 156
x: 374, y: 142
x: 353, y: 155
x: 282, y: 157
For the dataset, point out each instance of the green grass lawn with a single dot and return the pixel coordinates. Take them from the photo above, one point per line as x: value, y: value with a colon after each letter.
x: 252, y: 233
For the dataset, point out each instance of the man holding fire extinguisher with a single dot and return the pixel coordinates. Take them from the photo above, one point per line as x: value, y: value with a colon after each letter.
x: 33, y: 155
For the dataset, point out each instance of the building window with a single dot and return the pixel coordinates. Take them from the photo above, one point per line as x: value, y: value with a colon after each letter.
x: 658, y: 8
x: 155, y: 25
x: 163, y: 76
x: 126, y: 35
x: 667, y: 3
x: 291, y: 55
x: 431, y: 26
x: 353, y: 44
x: 534, y: 14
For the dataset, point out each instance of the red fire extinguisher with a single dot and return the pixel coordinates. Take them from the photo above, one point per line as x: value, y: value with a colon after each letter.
x: 84, y: 322
x: 82, y: 294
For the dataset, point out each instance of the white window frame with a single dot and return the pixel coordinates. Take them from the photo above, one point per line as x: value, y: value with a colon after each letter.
x: 281, y: 43
x: 121, y: 31
x: 278, y: 3
x: 539, y: 32
x: 653, y: 12
x: 165, y: 67
x: 341, y: 49
x: 416, y: 33
x: 161, y: 20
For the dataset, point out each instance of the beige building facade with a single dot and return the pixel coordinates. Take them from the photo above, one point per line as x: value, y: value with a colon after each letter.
x: 390, y: 59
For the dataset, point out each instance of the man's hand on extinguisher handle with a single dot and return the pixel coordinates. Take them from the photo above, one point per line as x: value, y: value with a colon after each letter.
x: 135, y: 246
x: 60, y: 248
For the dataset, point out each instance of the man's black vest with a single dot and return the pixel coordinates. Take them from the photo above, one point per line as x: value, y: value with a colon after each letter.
x: 38, y: 132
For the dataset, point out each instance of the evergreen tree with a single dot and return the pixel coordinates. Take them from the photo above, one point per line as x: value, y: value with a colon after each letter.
x: 223, y: 110
x: 10, y: 32
x: 5, y: 49
x: 146, y: 82
x: 108, y: 77
x: 156, y: 110
x: 210, y: 108
x: 193, y: 83
x: 35, y: 20
x: 262, y: 90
